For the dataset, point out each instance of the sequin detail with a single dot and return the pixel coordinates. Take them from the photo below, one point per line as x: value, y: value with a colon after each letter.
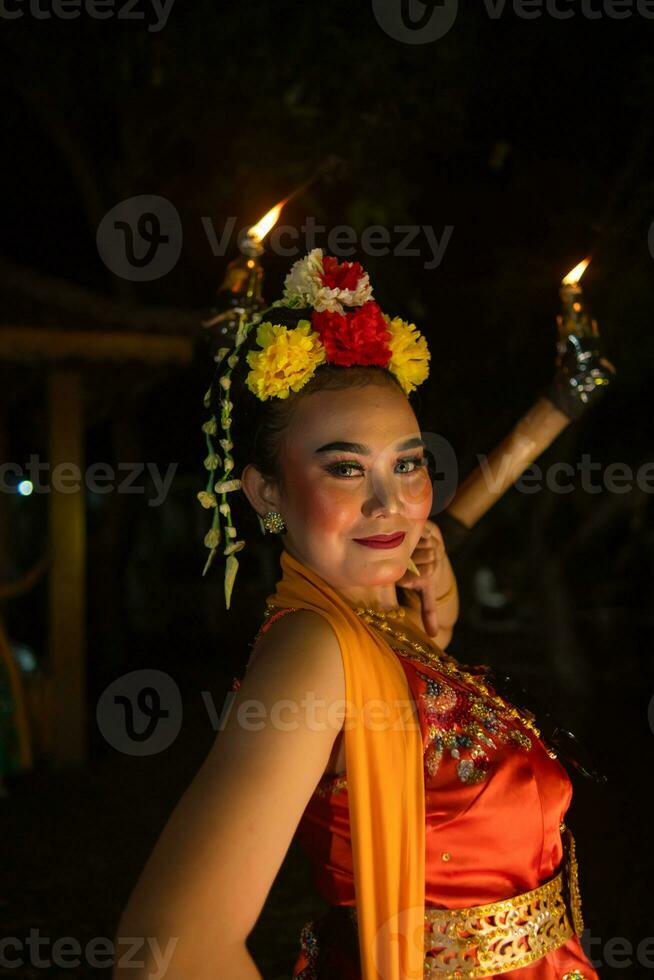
x: 465, y: 722
x: 308, y: 954
x: 331, y: 784
x: 464, y: 725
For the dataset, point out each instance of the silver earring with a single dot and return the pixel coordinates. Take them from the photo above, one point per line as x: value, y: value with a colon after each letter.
x: 274, y: 522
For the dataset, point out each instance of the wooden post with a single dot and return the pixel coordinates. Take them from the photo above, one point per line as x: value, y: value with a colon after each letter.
x: 67, y: 585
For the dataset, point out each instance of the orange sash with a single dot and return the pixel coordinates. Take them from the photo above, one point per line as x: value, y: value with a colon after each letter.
x: 386, y: 789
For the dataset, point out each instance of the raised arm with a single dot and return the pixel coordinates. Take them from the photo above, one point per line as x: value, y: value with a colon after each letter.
x: 209, y: 875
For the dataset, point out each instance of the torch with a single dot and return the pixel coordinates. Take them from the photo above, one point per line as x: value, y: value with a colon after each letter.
x: 582, y: 375
x: 239, y: 296
x: 582, y: 372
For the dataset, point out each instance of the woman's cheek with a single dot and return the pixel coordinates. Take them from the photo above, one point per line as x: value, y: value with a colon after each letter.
x: 418, y: 496
x: 326, y: 510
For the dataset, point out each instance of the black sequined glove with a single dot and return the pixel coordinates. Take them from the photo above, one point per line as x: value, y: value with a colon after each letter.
x: 582, y: 375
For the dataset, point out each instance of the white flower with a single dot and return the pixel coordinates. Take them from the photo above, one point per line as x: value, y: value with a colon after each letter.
x: 303, y: 286
x: 303, y: 281
x: 225, y: 486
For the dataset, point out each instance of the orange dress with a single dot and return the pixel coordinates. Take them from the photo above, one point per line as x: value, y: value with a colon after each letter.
x: 495, y: 801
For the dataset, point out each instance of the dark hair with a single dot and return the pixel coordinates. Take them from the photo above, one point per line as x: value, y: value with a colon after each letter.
x: 258, y: 426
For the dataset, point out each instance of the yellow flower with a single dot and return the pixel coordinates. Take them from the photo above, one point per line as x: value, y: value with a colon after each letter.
x: 409, y: 353
x: 287, y: 360
x: 207, y: 499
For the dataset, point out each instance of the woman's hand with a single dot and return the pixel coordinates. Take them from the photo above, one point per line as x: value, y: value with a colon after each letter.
x: 430, y: 557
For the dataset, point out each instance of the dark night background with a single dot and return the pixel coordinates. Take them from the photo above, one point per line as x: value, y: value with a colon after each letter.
x: 533, y: 139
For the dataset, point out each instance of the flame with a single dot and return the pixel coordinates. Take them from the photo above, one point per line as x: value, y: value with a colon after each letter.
x: 269, y: 220
x: 575, y: 274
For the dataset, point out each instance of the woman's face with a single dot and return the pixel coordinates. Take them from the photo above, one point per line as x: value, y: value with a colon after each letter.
x: 335, y: 495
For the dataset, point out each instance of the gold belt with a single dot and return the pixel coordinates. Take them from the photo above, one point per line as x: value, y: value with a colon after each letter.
x: 483, y: 940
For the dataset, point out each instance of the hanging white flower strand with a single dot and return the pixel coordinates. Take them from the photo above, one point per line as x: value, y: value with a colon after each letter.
x: 212, y: 462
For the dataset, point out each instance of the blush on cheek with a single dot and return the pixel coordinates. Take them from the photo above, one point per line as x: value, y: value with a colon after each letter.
x: 418, y: 496
x: 322, y: 509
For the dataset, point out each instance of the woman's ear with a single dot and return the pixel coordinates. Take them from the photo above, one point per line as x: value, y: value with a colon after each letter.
x: 260, y: 491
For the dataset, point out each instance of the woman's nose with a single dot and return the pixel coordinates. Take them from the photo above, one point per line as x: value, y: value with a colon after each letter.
x: 384, y: 497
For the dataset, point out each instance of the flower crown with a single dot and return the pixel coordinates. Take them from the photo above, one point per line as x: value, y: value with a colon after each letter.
x: 344, y: 326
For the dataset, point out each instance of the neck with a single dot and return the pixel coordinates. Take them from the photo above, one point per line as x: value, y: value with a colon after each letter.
x: 383, y: 598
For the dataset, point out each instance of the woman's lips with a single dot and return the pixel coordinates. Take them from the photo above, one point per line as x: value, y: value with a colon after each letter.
x: 382, y: 540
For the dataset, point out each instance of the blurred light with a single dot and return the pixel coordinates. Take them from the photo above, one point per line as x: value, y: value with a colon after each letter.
x: 25, y: 488
x: 486, y: 588
x: 24, y: 657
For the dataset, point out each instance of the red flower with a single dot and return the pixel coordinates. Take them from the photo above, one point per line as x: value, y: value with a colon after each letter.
x: 344, y: 276
x: 358, y: 337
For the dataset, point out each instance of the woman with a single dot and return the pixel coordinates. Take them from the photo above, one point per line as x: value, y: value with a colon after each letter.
x: 415, y: 788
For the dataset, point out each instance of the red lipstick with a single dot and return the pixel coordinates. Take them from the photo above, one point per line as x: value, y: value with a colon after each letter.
x: 382, y: 540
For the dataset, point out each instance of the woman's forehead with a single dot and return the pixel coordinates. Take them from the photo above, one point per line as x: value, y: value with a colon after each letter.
x: 376, y: 417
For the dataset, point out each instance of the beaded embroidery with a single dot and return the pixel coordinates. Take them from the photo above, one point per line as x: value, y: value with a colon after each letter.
x: 459, y: 721
x: 308, y: 953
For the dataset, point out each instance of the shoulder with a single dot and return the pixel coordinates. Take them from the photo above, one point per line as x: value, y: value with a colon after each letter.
x: 297, y: 633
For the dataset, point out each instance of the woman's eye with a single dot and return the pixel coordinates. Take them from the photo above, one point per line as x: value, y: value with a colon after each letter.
x: 413, y: 462
x: 336, y: 468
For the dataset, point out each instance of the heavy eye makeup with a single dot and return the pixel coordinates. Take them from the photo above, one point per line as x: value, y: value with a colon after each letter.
x: 336, y: 468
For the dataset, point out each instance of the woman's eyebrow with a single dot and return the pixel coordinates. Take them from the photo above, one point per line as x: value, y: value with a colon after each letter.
x: 361, y: 450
